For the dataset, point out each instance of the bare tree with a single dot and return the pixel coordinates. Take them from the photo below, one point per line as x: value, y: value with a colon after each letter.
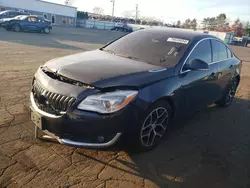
x: 178, y: 24
x: 69, y: 2
x: 98, y: 10
x: 193, y: 24
x: 187, y: 24
x: 128, y: 14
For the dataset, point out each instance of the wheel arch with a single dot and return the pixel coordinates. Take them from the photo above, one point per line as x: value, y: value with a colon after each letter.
x: 170, y: 101
x: 13, y: 24
x: 238, y: 77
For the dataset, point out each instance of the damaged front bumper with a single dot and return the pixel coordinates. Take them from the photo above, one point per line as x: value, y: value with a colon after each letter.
x: 71, y: 130
x: 49, y: 135
x: 55, y: 115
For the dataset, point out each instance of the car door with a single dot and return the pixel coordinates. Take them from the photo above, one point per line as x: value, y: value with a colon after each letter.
x: 199, y: 87
x: 33, y: 23
x: 41, y: 23
x: 222, y: 58
x: 24, y: 23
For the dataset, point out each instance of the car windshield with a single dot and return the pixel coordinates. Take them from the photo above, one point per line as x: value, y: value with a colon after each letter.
x: 147, y: 46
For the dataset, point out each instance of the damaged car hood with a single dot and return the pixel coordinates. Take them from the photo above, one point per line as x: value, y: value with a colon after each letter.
x: 102, y: 69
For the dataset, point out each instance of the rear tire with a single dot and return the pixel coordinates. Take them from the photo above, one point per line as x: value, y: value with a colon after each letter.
x: 16, y: 28
x: 229, y: 94
x: 152, y: 127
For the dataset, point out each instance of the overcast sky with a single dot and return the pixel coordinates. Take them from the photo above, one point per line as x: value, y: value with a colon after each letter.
x: 171, y: 10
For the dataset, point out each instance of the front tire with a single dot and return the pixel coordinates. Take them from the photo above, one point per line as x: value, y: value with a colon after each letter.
x: 153, y: 126
x: 229, y: 94
x: 46, y: 30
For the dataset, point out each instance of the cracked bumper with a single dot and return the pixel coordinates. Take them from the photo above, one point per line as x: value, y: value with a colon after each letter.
x: 73, y: 143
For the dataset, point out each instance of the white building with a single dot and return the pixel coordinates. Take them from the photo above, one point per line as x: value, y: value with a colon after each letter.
x: 57, y: 13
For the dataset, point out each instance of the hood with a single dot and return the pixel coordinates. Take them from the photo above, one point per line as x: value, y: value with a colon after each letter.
x: 102, y: 69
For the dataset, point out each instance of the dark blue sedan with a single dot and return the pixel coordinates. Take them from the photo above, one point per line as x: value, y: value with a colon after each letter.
x: 132, y: 88
x: 28, y: 23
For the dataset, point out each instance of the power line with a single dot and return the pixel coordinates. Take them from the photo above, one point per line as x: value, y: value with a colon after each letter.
x: 113, y: 7
x: 136, y: 13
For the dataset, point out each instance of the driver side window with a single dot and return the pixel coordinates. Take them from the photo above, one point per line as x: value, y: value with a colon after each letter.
x: 202, y: 51
x: 32, y: 19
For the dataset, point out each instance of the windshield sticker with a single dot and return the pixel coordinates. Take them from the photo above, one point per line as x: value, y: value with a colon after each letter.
x: 155, y: 40
x: 171, y: 51
x: 176, y: 40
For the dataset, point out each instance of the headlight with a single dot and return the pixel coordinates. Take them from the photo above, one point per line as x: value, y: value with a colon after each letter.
x: 107, y: 102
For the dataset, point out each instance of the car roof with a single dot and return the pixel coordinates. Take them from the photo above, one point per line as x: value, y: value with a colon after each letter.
x: 179, y: 33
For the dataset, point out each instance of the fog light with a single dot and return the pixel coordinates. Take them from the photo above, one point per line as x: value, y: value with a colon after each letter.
x: 100, y: 139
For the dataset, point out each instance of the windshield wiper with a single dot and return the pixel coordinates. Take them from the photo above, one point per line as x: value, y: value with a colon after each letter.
x: 109, y: 51
x: 129, y: 57
x: 121, y: 55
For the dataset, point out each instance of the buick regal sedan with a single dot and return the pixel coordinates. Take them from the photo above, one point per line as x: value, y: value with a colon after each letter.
x: 132, y: 88
x: 31, y: 23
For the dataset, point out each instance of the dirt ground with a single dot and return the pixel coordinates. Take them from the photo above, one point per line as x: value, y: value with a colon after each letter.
x: 208, y: 150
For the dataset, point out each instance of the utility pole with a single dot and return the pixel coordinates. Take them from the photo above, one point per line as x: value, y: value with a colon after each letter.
x: 113, y: 9
x: 136, y: 13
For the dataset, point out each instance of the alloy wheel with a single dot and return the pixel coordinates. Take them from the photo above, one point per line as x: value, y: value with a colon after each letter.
x: 154, y: 127
x: 46, y: 30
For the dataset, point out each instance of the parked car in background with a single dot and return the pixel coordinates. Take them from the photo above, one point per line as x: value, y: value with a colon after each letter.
x: 132, y: 87
x: 123, y: 28
x: 28, y: 23
x: 245, y: 41
x: 5, y: 15
x: 241, y: 41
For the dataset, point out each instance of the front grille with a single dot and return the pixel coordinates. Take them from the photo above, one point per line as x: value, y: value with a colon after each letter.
x: 50, y: 102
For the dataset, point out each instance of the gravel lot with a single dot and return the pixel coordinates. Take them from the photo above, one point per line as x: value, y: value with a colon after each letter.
x: 209, y: 149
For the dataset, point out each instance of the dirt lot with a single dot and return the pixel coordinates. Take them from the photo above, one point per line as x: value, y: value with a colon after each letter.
x: 210, y: 149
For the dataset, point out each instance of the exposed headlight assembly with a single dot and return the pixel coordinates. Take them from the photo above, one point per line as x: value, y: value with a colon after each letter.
x: 108, y: 102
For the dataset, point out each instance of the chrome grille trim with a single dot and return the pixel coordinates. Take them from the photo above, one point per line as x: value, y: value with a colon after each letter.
x: 57, y: 102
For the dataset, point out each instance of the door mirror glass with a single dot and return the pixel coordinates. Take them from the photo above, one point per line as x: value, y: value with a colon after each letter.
x: 197, y: 64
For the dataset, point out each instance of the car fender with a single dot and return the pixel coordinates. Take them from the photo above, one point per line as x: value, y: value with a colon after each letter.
x: 166, y: 89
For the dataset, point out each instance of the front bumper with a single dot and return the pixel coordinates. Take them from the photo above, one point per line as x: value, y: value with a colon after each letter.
x: 84, y: 129
x: 73, y: 143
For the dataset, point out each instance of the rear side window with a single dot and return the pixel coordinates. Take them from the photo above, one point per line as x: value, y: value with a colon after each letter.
x: 4, y: 15
x: 12, y: 14
x: 219, y: 51
x: 202, y: 51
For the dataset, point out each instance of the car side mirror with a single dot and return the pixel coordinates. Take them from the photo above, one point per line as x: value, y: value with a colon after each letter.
x: 197, y: 64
